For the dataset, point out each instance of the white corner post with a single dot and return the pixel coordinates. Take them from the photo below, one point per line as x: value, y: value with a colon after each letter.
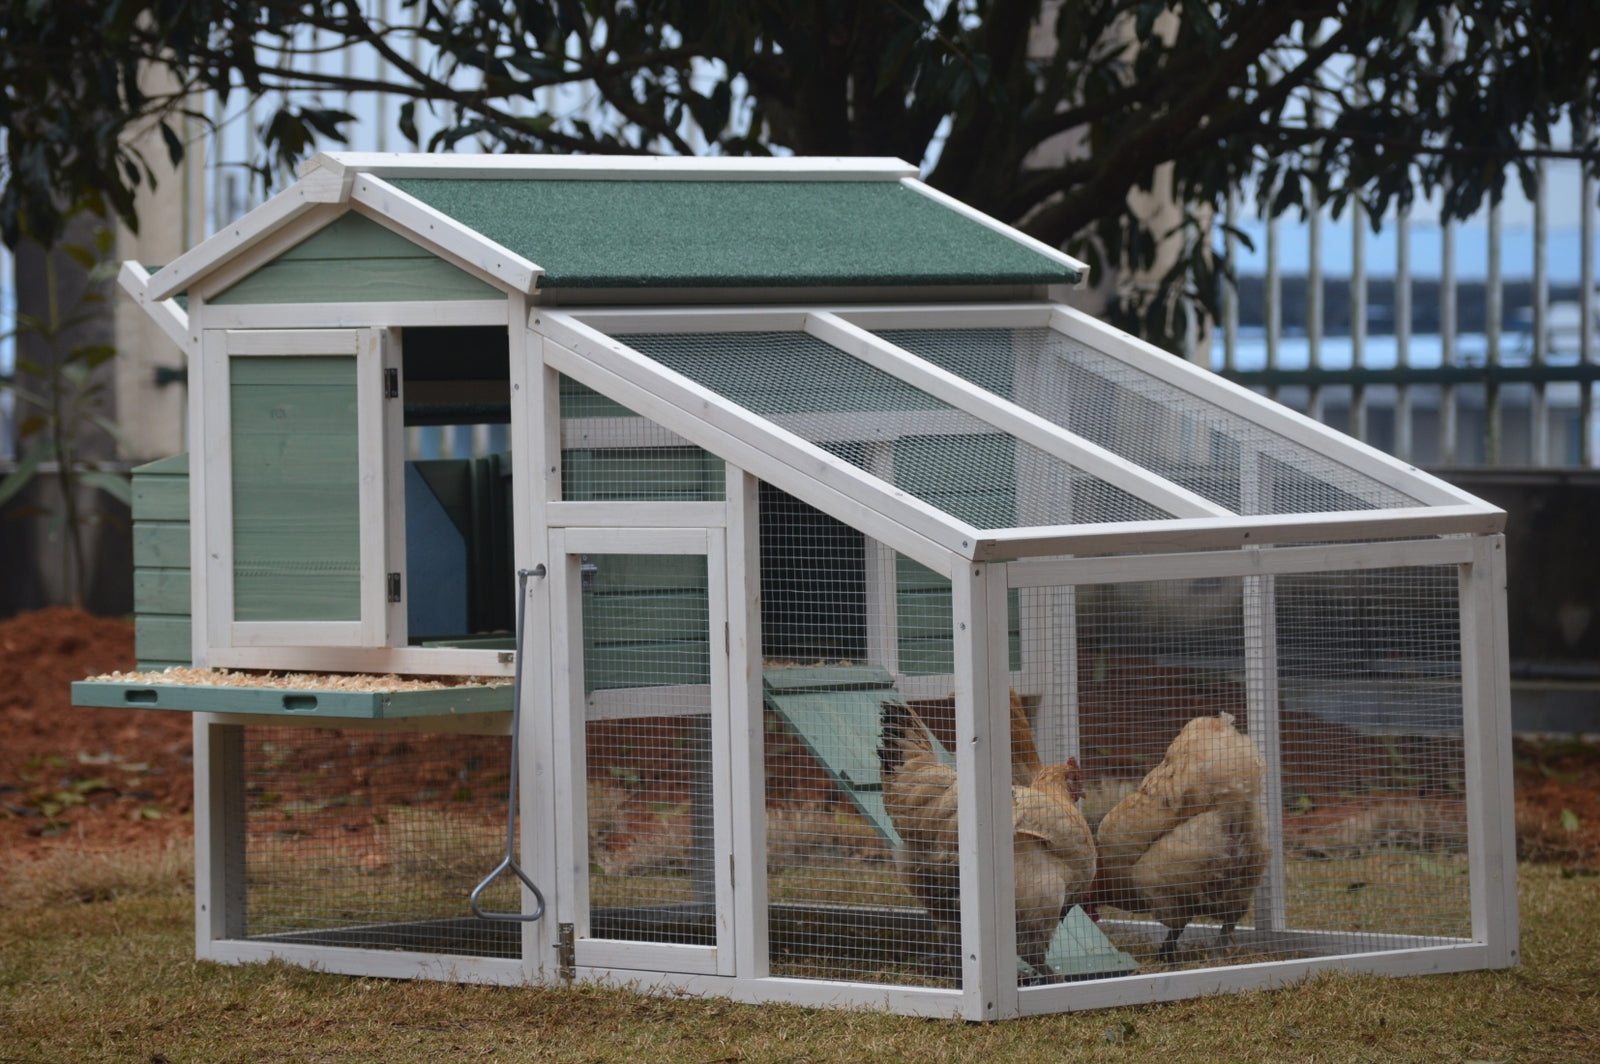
x: 747, y: 746
x: 983, y: 773
x: 1486, y: 722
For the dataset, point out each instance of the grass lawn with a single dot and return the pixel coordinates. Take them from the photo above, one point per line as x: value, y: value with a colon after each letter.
x: 96, y: 965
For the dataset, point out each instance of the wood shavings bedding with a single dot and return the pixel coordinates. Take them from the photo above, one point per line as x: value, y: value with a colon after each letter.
x: 296, y: 681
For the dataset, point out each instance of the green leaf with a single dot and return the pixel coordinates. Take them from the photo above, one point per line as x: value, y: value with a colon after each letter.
x: 79, y: 254
x: 116, y: 485
x: 1570, y: 821
x: 19, y: 477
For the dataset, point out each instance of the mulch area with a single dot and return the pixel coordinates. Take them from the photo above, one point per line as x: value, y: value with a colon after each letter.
x: 105, y: 779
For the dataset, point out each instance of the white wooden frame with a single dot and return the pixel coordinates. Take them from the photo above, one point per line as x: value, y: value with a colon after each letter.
x: 570, y: 713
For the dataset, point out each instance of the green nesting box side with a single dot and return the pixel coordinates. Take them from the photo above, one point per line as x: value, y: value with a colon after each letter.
x: 296, y: 489
x: 924, y: 617
x: 645, y: 621
x: 353, y: 260
x: 161, y: 586
x: 633, y: 474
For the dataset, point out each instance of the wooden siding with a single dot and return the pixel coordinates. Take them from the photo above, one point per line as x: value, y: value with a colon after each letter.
x: 161, y: 586
x: 296, y: 513
x: 356, y: 260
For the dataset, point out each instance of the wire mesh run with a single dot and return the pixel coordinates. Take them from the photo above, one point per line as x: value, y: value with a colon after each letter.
x: 896, y: 432
x: 646, y: 637
x: 1272, y: 767
x: 372, y: 840
x: 609, y: 453
x: 1150, y: 421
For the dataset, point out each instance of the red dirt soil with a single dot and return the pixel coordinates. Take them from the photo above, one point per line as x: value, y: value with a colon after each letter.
x: 106, y: 779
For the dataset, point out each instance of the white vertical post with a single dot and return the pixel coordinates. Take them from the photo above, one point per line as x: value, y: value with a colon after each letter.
x: 748, y: 859
x: 535, y: 448
x: 1262, y: 707
x: 882, y: 584
x: 219, y: 836
x: 1486, y: 726
x: 983, y: 772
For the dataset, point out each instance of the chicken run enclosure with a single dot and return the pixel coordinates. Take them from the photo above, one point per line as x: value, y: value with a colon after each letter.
x: 884, y: 632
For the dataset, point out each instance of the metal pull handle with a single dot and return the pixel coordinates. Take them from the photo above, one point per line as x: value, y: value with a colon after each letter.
x: 510, y: 861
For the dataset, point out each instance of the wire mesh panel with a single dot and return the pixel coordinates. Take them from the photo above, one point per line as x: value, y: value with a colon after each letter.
x: 1271, y: 766
x: 374, y: 840
x: 647, y: 661
x: 610, y: 453
x: 894, y: 431
x: 1150, y: 421
x: 847, y: 899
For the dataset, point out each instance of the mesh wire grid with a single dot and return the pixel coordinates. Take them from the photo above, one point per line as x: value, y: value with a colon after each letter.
x: 1182, y: 437
x: 609, y: 453
x: 646, y: 637
x: 845, y: 901
x: 920, y: 444
x: 1361, y: 804
x: 374, y: 840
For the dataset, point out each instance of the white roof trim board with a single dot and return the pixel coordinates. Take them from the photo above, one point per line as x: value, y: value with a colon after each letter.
x: 611, y: 167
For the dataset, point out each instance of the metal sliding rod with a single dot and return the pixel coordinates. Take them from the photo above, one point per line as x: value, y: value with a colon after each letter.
x: 509, y: 863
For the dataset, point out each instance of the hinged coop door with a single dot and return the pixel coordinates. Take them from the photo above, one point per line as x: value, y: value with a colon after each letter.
x: 295, y: 428
x: 642, y: 712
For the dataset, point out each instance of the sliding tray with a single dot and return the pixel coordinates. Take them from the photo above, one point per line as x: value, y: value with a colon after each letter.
x: 343, y: 698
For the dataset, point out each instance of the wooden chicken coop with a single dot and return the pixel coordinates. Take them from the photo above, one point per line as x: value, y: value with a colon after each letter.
x: 845, y: 544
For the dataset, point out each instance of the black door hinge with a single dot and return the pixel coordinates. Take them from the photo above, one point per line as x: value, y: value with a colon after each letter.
x: 391, y: 384
x: 566, y: 954
x: 394, y: 587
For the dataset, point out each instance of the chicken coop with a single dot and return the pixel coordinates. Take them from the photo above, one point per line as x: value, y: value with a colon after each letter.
x: 809, y: 537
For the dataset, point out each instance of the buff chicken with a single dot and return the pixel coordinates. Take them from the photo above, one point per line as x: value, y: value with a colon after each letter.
x: 1190, y: 843
x: 1055, y: 854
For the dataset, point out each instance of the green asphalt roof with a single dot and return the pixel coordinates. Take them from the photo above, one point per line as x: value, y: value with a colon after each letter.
x: 667, y: 233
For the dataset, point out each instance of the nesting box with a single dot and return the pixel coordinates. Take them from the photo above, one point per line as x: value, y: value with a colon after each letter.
x: 895, y: 635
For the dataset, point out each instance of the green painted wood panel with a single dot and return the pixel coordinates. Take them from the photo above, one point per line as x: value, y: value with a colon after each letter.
x: 176, y: 465
x: 161, y: 546
x: 661, y: 614
x: 645, y: 573
x: 160, y: 498
x: 162, y: 638
x: 296, y: 504
x: 361, y: 705
x: 161, y: 591
x: 580, y: 400
x: 355, y: 259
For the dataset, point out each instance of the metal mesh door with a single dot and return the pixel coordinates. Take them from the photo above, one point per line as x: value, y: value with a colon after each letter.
x: 647, y: 742
x: 371, y: 840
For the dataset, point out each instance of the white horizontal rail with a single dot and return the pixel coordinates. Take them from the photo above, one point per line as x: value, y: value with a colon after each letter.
x: 1267, y: 561
x: 629, y: 168
x: 1206, y: 533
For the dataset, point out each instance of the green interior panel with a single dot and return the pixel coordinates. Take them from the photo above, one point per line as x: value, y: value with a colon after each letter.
x: 354, y: 259
x: 664, y: 233
x: 296, y: 506
x: 925, y: 614
x: 646, y: 621
x: 632, y: 474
